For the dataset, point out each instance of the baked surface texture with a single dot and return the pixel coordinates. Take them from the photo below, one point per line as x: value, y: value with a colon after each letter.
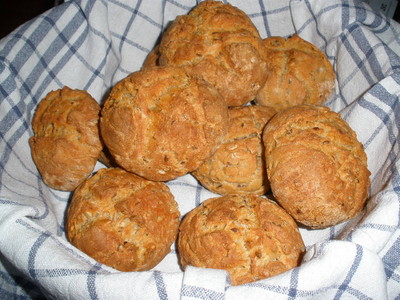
x: 152, y: 58
x: 162, y: 123
x: 316, y: 166
x: 122, y: 220
x: 238, y: 165
x: 220, y: 44
x: 298, y: 73
x: 66, y: 143
x: 249, y: 236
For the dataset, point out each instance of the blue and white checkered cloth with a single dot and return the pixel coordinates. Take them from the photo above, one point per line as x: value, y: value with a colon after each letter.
x: 90, y: 45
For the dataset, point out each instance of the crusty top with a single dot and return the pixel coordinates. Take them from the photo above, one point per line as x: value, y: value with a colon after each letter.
x: 162, y: 123
x: 316, y: 166
x: 238, y: 164
x: 66, y: 142
x: 222, y: 46
x: 298, y: 73
x: 123, y: 220
x: 249, y: 236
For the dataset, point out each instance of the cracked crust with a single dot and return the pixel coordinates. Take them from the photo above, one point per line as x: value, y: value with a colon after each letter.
x: 316, y: 166
x: 238, y: 165
x: 221, y: 45
x: 249, y: 236
x: 299, y: 73
x: 152, y: 58
x: 66, y: 143
x: 123, y: 220
x: 162, y: 123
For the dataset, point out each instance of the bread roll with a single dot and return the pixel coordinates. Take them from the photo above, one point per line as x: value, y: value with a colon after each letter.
x: 66, y: 143
x: 316, y: 166
x: 221, y: 45
x: 238, y: 165
x: 162, y: 123
x: 298, y: 73
x: 249, y: 236
x: 122, y: 220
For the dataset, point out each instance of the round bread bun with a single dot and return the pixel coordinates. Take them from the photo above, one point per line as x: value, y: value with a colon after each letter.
x: 316, y: 166
x: 162, y: 123
x: 66, y: 143
x: 249, y: 236
x: 221, y: 45
x: 122, y: 220
x: 238, y: 165
x: 298, y: 73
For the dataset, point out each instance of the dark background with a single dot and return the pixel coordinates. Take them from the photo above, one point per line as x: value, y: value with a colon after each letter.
x: 15, y: 13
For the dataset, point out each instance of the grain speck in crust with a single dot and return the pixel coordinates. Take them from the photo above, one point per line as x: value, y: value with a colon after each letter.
x: 238, y: 165
x: 220, y: 44
x: 122, y: 220
x: 66, y: 142
x: 162, y: 123
x: 298, y: 73
x: 249, y: 236
x: 316, y: 166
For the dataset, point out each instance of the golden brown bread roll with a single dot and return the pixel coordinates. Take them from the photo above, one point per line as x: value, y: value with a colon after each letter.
x: 238, y: 165
x: 316, y: 166
x: 249, y: 236
x: 162, y: 123
x: 298, y: 73
x: 221, y: 45
x: 66, y: 143
x: 122, y: 220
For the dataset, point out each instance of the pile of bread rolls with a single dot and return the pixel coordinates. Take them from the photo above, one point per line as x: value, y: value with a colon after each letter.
x: 242, y: 114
